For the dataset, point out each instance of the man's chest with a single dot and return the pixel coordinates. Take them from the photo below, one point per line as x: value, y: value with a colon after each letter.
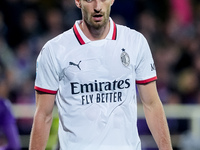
x: 91, y: 62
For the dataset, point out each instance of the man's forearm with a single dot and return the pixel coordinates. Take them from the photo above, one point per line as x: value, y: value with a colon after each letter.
x: 40, y: 132
x: 157, y: 123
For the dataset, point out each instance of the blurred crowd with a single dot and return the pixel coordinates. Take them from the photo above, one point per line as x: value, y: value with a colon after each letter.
x: 172, y: 28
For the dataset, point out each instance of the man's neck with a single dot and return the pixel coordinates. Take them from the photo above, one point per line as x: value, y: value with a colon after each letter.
x: 95, y: 34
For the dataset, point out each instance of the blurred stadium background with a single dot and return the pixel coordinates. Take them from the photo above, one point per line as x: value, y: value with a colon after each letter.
x: 172, y: 28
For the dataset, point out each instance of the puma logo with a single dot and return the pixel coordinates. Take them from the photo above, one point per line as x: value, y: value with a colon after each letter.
x: 153, y: 67
x: 77, y: 65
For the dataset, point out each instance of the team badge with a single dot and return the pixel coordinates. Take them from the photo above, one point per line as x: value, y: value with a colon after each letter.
x: 125, y: 58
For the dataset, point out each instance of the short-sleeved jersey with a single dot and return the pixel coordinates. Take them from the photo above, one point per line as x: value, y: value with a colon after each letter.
x: 94, y: 83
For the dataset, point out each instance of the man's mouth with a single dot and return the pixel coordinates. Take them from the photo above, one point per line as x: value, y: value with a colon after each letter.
x: 98, y: 17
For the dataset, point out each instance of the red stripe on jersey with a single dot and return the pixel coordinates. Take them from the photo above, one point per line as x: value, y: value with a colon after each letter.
x: 45, y: 90
x: 146, y: 81
x: 78, y: 36
x: 80, y: 39
x: 114, y: 32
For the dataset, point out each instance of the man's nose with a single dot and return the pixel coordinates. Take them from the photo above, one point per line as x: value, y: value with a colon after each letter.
x: 98, y: 6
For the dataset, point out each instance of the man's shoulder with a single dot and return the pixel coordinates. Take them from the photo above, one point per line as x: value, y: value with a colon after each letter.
x: 125, y: 31
x: 66, y: 39
x: 63, y: 37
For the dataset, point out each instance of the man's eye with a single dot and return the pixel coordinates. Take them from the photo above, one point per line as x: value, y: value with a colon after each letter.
x: 89, y: 1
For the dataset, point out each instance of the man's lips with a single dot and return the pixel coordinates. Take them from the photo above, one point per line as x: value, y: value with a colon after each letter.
x: 98, y: 17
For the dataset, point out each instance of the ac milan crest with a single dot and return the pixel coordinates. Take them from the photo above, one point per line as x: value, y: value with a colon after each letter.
x: 125, y: 58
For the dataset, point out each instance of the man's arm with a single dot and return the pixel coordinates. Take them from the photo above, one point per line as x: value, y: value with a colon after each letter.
x: 42, y: 121
x: 155, y: 115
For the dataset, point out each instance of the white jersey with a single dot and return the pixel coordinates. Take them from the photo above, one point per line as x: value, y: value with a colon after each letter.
x: 94, y: 83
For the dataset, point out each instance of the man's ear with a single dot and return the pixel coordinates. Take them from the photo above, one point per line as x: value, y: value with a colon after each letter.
x: 78, y: 3
x: 112, y: 2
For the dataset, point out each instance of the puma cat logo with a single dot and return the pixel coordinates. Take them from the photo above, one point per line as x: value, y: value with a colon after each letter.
x: 77, y: 65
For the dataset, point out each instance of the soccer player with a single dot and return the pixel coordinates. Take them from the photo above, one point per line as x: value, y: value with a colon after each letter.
x: 91, y: 71
x: 9, y: 136
x: 8, y: 127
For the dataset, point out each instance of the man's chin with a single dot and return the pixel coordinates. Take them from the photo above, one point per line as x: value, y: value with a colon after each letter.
x: 98, y: 24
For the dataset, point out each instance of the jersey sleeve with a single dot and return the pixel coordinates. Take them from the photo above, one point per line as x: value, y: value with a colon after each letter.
x: 46, y: 73
x: 145, y: 67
